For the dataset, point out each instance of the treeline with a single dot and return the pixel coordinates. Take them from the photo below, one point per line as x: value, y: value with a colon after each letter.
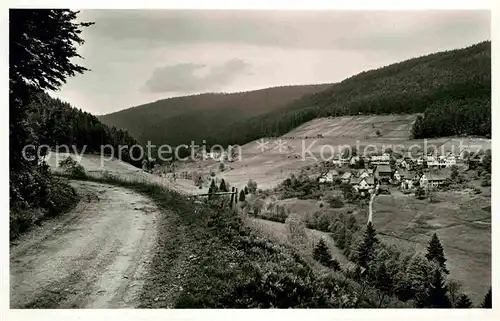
x: 455, y: 117
x: 180, y: 120
x: 458, y: 81
x: 57, y: 123
x: 42, y: 45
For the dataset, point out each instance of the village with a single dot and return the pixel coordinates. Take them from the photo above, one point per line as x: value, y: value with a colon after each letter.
x: 377, y: 172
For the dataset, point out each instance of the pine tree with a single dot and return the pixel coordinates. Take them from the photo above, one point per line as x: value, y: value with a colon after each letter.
x: 367, y: 248
x: 335, y: 265
x: 246, y: 190
x: 487, y: 300
x: 212, y: 189
x: 463, y: 302
x: 435, y: 293
x: 242, y: 196
x: 321, y: 253
x: 223, y: 187
x: 383, y: 279
x: 435, y: 253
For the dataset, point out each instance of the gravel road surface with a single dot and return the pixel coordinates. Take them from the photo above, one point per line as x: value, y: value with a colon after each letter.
x: 96, y: 256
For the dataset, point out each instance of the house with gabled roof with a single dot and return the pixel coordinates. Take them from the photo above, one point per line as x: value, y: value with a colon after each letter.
x: 432, y: 180
x: 365, y: 184
x: 401, y: 174
x: 362, y: 173
x: 346, y: 177
x: 329, y: 177
x: 405, y: 164
x: 383, y: 173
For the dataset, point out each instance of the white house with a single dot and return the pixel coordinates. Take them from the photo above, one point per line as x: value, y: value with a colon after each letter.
x: 384, y: 159
x: 329, y: 176
x: 346, y: 177
x: 407, y: 184
x: 431, y: 180
x: 365, y: 184
x: 450, y: 161
x: 340, y: 161
x: 405, y: 164
x: 365, y: 173
x: 354, y: 160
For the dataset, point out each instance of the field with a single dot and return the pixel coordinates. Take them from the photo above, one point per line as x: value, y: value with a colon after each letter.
x: 462, y: 222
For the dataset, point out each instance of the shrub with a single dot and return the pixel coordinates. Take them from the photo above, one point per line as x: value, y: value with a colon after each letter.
x: 486, y: 181
x: 335, y: 202
x: 198, y: 179
x: 420, y: 193
x: 72, y: 168
x: 252, y: 186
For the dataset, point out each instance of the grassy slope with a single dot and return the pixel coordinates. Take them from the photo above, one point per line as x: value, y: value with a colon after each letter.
x: 182, y: 119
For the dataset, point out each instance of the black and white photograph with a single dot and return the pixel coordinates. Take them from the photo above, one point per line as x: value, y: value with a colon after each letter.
x: 249, y: 159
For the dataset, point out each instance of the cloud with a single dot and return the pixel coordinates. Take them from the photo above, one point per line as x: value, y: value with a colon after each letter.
x: 191, y: 77
x: 328, y: 29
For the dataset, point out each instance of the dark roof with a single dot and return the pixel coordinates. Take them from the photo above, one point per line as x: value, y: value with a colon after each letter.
x: 369, y: 180
x: 384, y: 169
x: 405, y: 173
x: 435, y: 177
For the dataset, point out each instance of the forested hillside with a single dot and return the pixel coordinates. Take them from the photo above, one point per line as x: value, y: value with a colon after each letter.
x: 452, y: 88
x: 182, y: 119
x: 57, y: 123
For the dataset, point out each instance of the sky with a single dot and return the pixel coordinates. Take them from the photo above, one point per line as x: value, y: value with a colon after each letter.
x: 140, y: 56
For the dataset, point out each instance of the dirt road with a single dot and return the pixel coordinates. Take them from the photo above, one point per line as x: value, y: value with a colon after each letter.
x: 95, y: 257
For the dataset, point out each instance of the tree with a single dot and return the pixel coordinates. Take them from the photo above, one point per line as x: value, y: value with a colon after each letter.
x: 487, y: 161
x: 335, y: 265
x: 252, y: 186
x: 454, y: 172
x: 246, y: 190
x: 486, y: 304
x: 222, y: 186
x: 420, y: 192
x: 242, y: 196
x: 335, y: 201
x: 197, y: 179
x: 321, y: 253
x: 383, y: 281
x: 435, y: 295
x: 435, y: 253
x: 463, y: 302
x: 454, y: 291
x: 42, y: 46
x: 212, y: 189
x: 221, y: 166
x: 367, y: 247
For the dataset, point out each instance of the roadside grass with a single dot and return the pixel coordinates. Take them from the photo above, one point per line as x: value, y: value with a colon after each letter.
x: 207, y: 258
